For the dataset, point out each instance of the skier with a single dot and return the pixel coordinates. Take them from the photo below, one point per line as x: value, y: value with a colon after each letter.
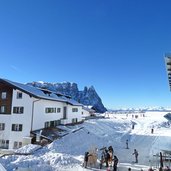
x: 136, y: 155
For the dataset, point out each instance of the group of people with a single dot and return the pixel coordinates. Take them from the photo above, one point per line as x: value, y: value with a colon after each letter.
x: 108, y: 158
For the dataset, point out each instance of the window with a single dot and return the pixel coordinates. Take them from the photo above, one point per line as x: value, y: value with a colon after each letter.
x: 18, y: 110
x: 19, y: 95
x: 4, y: 95
x: 50, y: 110
x: 17, y: 144
x: 47, y: 124
x: 2, y: 126
x: 57, y: 122
x: 74, y: 120
x: 52, y: 123
x: 58, y: 110
x: 74, y: 109
x: 17, y: 127
x: 2, y: 109
x: 4, y: 143
x: 20, y: 144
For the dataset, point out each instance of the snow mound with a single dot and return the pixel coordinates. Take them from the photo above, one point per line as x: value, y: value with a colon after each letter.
x: 28, y: 148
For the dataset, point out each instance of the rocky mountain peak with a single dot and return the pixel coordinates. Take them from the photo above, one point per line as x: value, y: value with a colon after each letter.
x: 88, y: 96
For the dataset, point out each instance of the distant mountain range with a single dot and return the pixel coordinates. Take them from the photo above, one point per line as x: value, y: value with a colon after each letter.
x: 156, y: 108
x: 88, y: 96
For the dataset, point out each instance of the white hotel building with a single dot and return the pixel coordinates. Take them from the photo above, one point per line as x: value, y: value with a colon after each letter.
x: 24, y: 109
x: 168, y: 67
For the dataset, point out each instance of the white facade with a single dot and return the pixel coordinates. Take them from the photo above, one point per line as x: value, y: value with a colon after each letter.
x: 85, y: 113
x: 34, y: 117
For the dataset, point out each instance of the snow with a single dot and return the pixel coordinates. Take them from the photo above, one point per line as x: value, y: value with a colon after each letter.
x: 67, y: 153
x: 28, y: 148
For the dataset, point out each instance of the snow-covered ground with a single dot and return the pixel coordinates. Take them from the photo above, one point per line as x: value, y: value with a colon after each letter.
x: 67, y: 153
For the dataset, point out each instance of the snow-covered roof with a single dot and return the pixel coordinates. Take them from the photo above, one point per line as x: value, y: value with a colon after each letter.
x: 40, y: 93
x: 89, y: 108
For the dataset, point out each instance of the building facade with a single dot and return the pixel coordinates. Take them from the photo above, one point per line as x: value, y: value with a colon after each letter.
x: 25, y: 108
x: 168, y: 67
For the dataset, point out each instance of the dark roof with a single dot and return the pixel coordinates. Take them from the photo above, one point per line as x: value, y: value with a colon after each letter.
x: 40, y: 93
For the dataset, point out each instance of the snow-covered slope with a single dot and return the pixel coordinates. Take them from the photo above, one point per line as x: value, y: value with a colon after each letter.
x: 67, y: 153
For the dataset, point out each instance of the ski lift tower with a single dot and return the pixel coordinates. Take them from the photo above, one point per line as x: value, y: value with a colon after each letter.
x: 168, y: 67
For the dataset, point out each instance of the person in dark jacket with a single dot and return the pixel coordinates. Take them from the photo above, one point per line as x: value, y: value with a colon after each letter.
x: 127, y: 144
x: 136, y: 155
x: 110, y: 151
x: 115, y: 160
x: 110, y: 148
x: 107, y: 157
x: 133, y: 125
x: 86, y: 159
x: 152, y: 130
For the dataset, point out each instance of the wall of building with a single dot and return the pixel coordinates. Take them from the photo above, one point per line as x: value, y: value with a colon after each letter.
x: 40, y: 116
x: 34, y: 110
x: 8, y: 100
x: 25, y: 118
x: 85, y: 113
x: 72, y: 114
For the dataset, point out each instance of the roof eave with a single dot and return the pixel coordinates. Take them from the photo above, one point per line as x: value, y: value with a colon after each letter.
x: 29, y: 93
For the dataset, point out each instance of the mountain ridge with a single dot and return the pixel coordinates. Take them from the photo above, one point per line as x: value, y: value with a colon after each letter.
x: 88, y: 96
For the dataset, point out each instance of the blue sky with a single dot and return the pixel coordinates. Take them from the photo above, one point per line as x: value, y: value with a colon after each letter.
x: 117, y: 46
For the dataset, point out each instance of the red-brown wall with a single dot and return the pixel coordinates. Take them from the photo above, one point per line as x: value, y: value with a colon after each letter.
x: 8, y: 101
